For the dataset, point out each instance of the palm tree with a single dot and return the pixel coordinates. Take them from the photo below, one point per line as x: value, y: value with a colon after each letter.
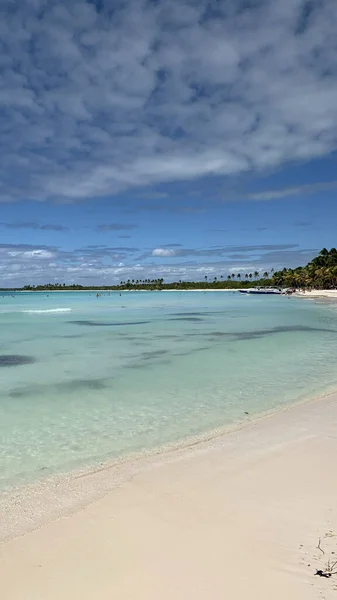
x: 266, y: 274
x: 239, y: 276
x: 256, y: 274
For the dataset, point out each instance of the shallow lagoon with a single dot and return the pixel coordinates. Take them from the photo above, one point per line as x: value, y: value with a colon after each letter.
x: 86, y: 379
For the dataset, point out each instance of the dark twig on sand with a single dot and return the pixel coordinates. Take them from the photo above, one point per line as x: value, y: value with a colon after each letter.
x: 319, y: 546
x: 329, y: 568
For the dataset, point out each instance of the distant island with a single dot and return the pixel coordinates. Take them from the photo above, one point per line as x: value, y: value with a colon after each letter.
x: 320, y: 273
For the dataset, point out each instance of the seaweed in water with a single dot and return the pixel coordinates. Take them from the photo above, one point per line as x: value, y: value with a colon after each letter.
x: 186, y: 319
x: 65, y: 387
x: 153, y: 354
x: 102, y: 324
x: 15, y: 360
x: 250, y: 335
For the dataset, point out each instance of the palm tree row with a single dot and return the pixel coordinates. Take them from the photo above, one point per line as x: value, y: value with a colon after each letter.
x: 320, y: 273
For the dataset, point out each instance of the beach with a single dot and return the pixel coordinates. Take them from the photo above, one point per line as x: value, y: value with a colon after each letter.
x: 317, y: 294
x: 167, y: 448
x: 238, y: 516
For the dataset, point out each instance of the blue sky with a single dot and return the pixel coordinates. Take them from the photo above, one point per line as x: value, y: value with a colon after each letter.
x: 175, y: 139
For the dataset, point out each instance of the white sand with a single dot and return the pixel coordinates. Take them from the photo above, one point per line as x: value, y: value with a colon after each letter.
x: 237, y: 517
x: 317, y: 294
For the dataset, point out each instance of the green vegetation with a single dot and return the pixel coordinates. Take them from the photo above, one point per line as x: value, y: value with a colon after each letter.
x: 234, y: 281
x: 320, y: 273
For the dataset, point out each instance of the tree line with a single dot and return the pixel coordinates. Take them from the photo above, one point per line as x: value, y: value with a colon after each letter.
x: 320, y: 273
x: 233, y: 281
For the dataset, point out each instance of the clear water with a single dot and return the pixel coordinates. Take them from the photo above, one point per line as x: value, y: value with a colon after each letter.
x: 117, y: 374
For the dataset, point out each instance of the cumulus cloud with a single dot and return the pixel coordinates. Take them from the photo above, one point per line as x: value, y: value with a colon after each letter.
x: 99, y: 97
x: 165, y: 252
x: 28, y: 264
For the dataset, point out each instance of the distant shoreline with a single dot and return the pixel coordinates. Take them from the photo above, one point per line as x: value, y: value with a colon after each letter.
x: 297, y: 293
x: 117, y: 291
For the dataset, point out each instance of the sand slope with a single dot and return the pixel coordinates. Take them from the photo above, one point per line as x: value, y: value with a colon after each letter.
x: 235, y: 518
x: 317, y: 294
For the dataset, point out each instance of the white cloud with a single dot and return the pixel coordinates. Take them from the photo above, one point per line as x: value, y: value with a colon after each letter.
x: 138, y: 93
x: 38, y: 254
x: 294, y: 191
x: 164, y: 252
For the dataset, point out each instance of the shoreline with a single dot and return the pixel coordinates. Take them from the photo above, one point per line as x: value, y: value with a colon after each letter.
x: 331, y: 294
x: 118, y: 291
x: 297, y: 294
x: 238, y: 516
x: 59, y: 496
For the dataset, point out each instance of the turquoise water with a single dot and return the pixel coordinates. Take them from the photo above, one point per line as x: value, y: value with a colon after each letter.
x: 85, y: 379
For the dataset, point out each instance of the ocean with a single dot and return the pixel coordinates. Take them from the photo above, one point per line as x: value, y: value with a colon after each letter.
x: 86, y: 380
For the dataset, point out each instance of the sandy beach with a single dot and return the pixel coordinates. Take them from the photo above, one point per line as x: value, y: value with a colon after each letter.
x: 317, y: 294
x: 236, y: 517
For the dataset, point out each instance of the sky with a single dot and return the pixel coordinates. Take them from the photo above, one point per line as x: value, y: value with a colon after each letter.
x: 172, y: 139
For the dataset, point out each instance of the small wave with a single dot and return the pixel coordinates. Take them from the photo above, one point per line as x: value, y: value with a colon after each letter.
x: 47, y: 310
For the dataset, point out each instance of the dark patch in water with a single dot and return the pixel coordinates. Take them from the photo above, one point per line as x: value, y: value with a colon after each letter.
x: 82, y: 384
x: 133, y: 338
x: 204, y: 313
x: 102, y: 324
x: 64, y: 387
x: 286, y: 329
x: 147, y: 358
x: 192, y: 351
x: 24, y: 391
x: 216, y: 334
x: 190, y: 314
x: 70, y: 336
x: 15, y: 360
x: 145, y: 364
x: 259, y: 333
x: 153, y: 354
x: 186, y: 319
x: 168, y: 336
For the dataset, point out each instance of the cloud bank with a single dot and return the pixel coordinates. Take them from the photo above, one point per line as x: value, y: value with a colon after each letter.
x: 100, y: 97
x: 22, y: 264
